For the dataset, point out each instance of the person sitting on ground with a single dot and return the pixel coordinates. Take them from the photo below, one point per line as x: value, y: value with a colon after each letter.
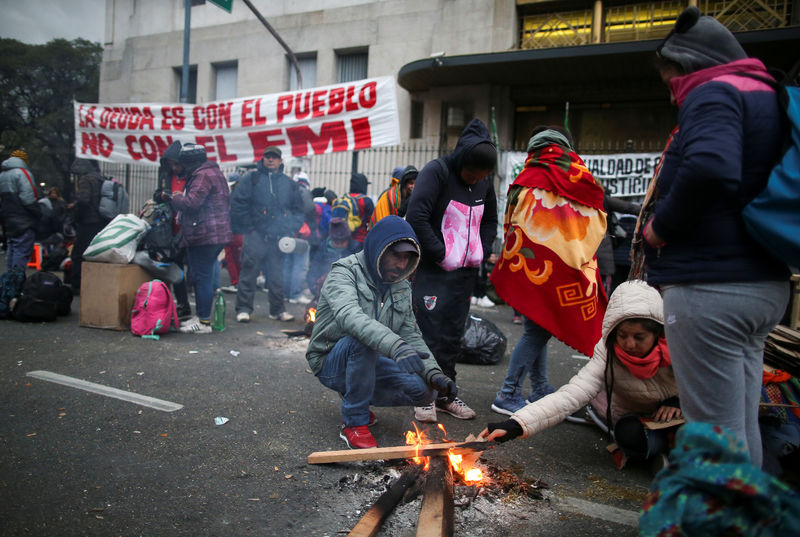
x: 366, y: 344
x: 631, y: 368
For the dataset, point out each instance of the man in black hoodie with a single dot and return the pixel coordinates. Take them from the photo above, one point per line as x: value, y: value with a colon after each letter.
x: 265, y: 206
x: 453, y: 211
x: 88, y: 220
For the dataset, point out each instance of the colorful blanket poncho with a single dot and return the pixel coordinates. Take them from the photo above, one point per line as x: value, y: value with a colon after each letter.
x: 553, y: 225
x: 710, y: 488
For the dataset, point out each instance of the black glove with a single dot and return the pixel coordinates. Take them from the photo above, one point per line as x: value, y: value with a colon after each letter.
x: 443, y: 384
x: 512, y: 428
x: 407, y: 358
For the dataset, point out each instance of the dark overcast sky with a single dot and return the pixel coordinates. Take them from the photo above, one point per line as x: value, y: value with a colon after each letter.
x: 39, y: 21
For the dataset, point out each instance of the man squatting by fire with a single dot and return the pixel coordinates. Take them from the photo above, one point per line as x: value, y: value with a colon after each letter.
x: 366, y: 344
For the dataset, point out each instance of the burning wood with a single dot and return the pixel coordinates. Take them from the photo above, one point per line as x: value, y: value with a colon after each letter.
x: 436, y: 514
x: 396, y: 452
x: 371, y: 522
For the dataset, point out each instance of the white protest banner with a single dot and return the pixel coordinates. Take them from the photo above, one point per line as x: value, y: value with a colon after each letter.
x: 622, y: 175
x: 342, y: 117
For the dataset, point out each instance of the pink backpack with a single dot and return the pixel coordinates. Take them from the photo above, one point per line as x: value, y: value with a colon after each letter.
x: 153, y: 310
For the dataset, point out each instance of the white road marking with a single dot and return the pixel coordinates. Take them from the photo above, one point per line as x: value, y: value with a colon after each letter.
x: 144, y: 400
x: 598, y: 510
x: 580, y: 357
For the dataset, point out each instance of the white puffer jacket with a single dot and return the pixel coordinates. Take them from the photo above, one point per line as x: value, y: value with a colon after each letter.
x: 634, y: 299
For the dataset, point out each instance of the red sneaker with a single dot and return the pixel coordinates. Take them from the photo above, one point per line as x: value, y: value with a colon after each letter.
x: 358, y: 437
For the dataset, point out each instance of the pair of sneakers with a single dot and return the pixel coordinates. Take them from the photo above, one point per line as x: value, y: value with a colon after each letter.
x: 508, y: 404
x: 194, y: 325
x: 456, y: 408
x: 284, y: 316
x: 359, y: 436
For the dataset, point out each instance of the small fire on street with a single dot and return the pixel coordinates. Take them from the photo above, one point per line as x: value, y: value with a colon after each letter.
x: 462, y: 466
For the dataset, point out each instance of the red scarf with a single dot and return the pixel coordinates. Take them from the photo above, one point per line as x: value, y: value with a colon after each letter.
x: 553, y: 225
x: 647, y: 366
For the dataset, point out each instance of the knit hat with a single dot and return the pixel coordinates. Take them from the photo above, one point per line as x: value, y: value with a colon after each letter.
x: 397, y: 171
x: 409, y: 173
x: 19, y: 153
x: 191, y: 157
x: 358, y: 183
x: 302, y: 179
x: 697, y: 42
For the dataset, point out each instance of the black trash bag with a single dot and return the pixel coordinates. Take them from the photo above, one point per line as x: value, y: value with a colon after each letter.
x: 482, y: 343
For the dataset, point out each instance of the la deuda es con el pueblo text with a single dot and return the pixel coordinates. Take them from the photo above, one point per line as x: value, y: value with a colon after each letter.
x: 208, y: 124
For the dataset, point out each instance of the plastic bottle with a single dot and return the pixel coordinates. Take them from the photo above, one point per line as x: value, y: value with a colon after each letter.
x: 219, y: 312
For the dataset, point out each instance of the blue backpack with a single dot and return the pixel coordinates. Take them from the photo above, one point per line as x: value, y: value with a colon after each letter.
x: 772, y: 218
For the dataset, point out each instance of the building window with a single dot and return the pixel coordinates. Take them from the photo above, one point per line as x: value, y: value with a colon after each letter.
x: 351, y: 66
x: 192, y: 97
x: 417, y: 115
x: 308, y: 71
x: 225, y: 77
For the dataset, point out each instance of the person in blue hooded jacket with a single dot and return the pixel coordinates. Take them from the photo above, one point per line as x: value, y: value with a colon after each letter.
x: 366, y: 344
x: 453, y: 210
x: 723, y: 292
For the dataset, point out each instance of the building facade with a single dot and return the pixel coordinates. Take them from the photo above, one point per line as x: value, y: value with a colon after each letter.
x: 587, y: 63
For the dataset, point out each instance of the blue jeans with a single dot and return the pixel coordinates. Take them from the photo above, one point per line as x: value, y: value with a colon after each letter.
x: 716, y: 333
x: 202, y: 259
x: 19, y: 250
x: 295, y: 268
x: 364, y: 378
x: 529, y: 356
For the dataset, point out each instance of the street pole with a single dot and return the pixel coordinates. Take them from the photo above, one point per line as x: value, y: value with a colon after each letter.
x: 278, y: 38
x: 187, y: 24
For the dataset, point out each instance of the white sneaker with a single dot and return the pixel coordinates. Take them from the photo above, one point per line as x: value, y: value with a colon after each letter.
x: 484, y: 302
x: 196, y: 328
x: 425, y: 414
x: 473, y: 300
x: 230, y: 289
x: 284, y: 316
x: 243, y: 317
x: 194, y: 319
x: 301, y: 300
x: 458, y: 409
x: 260, y: 281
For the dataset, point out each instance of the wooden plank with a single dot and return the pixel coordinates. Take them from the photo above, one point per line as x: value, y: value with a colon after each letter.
x: 436, y: 514
x: 395, y: 452
x: 370, y: 523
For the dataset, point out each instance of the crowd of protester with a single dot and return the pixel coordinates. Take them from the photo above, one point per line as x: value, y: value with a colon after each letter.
x: 393, y: 279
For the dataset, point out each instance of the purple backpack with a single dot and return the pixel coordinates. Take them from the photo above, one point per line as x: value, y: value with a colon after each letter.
x: 153, y: 310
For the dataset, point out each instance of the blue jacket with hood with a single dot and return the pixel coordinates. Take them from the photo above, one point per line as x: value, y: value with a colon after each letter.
x: 269, y: 203
x: 356, y: 302
x: 455, y: 222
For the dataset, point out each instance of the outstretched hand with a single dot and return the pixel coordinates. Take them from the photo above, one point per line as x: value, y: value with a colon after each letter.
x: 502, y: 431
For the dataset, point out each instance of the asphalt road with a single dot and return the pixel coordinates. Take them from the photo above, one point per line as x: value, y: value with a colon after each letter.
x: 79, y: 463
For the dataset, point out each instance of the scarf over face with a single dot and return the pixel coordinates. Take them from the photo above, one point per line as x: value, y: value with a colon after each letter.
x: 647, y: 366
x: 553, y: 225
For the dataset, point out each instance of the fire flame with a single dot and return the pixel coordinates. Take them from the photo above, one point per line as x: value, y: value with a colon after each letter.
x: 311, y: 315
x: 470, y: 474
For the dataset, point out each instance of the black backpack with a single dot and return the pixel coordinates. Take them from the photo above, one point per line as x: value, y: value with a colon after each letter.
x: 43, y: 298
x: 159, y: 242
x: 11, y: 284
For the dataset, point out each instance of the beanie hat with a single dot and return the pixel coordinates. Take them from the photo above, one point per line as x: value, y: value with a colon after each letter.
x: 409, y: 173
x: 397, y: 171
x: 191, y: 157
x: 302, y: 179
x: 19, y: 153
x: 697, y: 42
x: 330, y: 195
x: 358, y: 183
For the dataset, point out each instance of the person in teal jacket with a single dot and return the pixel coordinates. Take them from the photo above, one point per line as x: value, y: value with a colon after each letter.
x: 366, y: 344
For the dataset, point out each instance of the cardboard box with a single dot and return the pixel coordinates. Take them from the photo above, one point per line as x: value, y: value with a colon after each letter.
x: 107, y: 294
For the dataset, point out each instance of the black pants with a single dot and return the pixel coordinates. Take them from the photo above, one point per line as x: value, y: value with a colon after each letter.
x: 441, y: 304
x: 84, y: 233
